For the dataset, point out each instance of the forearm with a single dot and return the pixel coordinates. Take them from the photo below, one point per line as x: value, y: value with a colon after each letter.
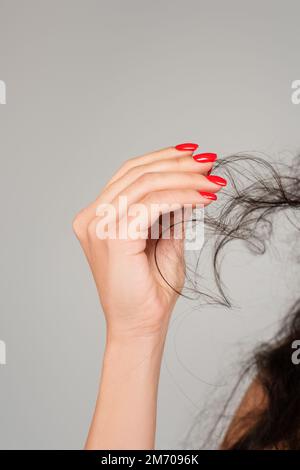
x: 125, y: 413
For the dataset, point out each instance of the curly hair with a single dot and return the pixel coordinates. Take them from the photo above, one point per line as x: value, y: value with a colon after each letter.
x: 258, y: 190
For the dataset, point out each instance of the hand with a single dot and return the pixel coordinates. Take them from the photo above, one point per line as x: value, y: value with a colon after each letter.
x: 137, y: 302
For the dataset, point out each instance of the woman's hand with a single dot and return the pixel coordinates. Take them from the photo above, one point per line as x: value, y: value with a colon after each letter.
x: 136, y: 300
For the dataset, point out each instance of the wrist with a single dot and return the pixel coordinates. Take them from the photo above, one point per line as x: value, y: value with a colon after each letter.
x: 139, y: 344
x: 138, y: 333
x: 134, y: 353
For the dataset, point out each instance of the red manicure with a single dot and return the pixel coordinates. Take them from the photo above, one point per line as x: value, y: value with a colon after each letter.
x: 211, y: 196
x: 187, y: 147
x: 217, y: 180
x: 205, y: 157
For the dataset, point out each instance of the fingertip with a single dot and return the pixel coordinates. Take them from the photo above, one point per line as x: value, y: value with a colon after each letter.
x: 187, y: 147
x: 209, y: 196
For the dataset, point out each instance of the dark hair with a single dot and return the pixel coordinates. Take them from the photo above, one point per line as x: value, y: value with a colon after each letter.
x: 256, y: 191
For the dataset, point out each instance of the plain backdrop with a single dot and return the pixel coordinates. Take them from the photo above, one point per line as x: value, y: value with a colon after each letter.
x: 90, y: 84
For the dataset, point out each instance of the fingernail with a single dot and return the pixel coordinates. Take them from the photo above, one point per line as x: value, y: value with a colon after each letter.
x: 217, y: 180
x: 211, y: 196
x: 205, y: 157
x: 188, y: 146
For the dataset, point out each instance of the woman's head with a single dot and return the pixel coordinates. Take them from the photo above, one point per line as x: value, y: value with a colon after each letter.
x: 257, y: 191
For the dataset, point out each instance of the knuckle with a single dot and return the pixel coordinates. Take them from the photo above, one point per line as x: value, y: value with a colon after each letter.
x: 150, y: 198
x: 135, y: 172
x: 142, y: 179
x: 179, y: 162
x: 128, y: 164
x: 79, y: 224
x: 193, y: 180
x: 149, y: 179
x: 92, y: 229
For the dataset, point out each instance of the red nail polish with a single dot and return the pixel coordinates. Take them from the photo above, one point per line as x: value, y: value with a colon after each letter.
x: 205, y: 157
x: 211, y: 196
x: 217, y: 180
x: 188, y: 146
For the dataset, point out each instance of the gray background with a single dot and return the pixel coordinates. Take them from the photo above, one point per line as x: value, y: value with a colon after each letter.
x: 90, y: 84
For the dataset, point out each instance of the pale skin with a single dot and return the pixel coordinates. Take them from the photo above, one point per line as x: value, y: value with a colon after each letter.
x: 136, y: 301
